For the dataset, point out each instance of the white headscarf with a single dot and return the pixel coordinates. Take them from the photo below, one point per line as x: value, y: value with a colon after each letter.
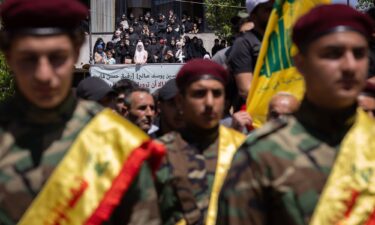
x: 140, y: 56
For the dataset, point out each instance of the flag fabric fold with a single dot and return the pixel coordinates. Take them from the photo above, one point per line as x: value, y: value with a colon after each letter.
x: 348, y: 197
x: 95, y: 173
x: 274, y: 70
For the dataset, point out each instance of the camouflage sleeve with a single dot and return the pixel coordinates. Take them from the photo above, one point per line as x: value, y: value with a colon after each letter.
x: 139, y: 205
x: 169, y: 205
x: 168, y: 201
x: 241, y: 200
x: 267, y: 183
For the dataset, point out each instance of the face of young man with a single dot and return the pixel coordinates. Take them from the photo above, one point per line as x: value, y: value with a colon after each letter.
x: 142, y: 110
x: 335, y: 68
x: 169, y: 115
x: 120, y: 104
x: 43, y: 68
x: 203, y: 103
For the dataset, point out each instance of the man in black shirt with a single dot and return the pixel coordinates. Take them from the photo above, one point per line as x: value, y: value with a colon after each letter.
x: 244, y: 53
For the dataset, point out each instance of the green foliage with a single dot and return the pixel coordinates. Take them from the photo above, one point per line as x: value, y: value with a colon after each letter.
x: 219, y: 13
x: 364, y: 5
x: 6, y: 80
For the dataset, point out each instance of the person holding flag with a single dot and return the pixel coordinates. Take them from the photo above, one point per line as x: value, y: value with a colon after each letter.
x: 274, y: 70
x: 245, y: 50
x: 64, y: 160
x: 277, y: 176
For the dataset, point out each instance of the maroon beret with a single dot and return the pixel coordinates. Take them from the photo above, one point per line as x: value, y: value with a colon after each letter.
x: 26, y: 14
x: 329, y: 18
x: 199, y: 69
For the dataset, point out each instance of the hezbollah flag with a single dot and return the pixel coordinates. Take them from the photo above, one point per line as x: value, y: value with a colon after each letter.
x: 274, y: 71
x: 95, y: 173
x: 349, y: 195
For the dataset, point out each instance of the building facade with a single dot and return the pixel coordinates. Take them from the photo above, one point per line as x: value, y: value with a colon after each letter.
x: 106, y: 13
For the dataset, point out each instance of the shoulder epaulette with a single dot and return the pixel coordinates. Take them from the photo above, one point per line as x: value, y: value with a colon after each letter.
x: 91, y: 107
x: 168, y: 138
x: 267, y: 129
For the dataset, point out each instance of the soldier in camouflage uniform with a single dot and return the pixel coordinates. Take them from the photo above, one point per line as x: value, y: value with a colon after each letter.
x: 278, y: 174
x: 38, y: 125
x: 186, y: 178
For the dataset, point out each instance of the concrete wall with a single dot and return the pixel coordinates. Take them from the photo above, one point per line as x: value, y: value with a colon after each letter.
x: 103, y: 15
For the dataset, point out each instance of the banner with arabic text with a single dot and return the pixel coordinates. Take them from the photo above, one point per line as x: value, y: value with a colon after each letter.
x: 151, y: 76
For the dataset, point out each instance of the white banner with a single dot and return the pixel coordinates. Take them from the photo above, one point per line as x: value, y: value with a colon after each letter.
x: 151, y: 76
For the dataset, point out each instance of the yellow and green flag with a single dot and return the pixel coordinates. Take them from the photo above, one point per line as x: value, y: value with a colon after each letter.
x: 274, y: 71
x: 348, y: 197
x: 95, y: 174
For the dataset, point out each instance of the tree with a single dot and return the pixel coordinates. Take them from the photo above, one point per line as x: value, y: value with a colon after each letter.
x: 364, y: 5
x: 6, y: 80
x: 219, y: 13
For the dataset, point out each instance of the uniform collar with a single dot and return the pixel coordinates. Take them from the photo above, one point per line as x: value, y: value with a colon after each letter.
x: 27, y: 112
x: 328, y: 125
x: 198, y: 137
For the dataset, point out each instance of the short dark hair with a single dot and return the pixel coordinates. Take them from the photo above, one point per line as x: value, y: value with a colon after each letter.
x: 128, y: 100
x: 124, y: 85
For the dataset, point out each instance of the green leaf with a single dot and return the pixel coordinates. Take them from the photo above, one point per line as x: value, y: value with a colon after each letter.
x: 219, y: 13
x: 6, y: 80
x: 364, y: 5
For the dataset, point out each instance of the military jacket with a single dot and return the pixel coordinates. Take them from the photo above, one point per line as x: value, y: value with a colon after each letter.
x: 199, y: 167
x: 34, y: 141
x: 278, y: 174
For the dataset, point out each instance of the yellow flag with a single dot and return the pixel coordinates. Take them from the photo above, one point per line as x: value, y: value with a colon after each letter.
x: 274, y: 71
x: 96, y: 172
x: 349, y: 195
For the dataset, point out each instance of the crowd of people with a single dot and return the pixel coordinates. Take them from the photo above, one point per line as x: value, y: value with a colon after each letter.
x: 187, y: 153
x: 149, y: 39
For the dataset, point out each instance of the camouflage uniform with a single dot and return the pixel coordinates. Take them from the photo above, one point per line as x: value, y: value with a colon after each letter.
x: 278, y: 174
x: 34, y: 141
x: 193, y: 184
